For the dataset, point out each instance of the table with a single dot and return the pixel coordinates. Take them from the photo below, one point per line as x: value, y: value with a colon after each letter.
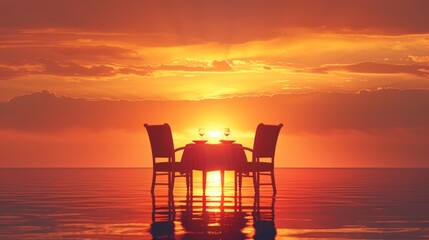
x: 212, y: 157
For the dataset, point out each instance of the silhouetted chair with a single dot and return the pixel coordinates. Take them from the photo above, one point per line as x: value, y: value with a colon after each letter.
x: 264, y: 147
x: 161, y: 142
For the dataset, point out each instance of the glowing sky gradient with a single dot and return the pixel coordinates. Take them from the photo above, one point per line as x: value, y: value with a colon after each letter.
x: 349, y: 79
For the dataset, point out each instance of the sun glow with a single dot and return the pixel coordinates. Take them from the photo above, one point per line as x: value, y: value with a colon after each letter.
x: 215, y: 134
x: 214, y: 184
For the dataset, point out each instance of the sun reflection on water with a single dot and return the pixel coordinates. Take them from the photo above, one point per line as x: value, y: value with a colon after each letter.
x: 214, y: 187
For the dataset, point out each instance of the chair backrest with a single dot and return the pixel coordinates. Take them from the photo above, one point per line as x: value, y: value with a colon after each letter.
x: 161, y: 140
x: 265, y: 142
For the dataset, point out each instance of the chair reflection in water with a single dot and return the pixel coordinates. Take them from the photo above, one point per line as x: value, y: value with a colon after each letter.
x: 225, y: 221
x: 263, y: 217
x: 163, y: 216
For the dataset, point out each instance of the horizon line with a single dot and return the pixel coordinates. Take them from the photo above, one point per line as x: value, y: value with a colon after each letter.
x: 214, y: 170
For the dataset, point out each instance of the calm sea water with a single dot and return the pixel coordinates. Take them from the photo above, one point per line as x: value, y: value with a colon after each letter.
x: 310, y: 204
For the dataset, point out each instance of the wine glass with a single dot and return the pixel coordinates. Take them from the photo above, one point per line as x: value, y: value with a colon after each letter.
x: 226, y: 131
x: 201, y: 132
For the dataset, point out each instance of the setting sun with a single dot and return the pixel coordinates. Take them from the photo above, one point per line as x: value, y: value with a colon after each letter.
x: 215, y: 134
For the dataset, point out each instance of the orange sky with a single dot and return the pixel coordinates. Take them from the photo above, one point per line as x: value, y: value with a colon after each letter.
x: 349, y: 79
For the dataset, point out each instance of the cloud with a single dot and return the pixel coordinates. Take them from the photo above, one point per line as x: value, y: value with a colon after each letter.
x: 51, y: 67
x: 88, y: 61
x: 9, y: 73
x: 217, y: 21
x: 170, y: 67
x: 21, y: 55
x: 70, y: 69
x: 375, y: 68
x: 420, y: 59
x: 141, y: 70
x: 43, y: 66
x: 216, y: 66
x: 368, y: 111
x: 73, y: 69
x: 221, y: 66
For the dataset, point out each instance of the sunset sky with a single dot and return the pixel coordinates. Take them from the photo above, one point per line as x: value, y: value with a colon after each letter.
x: 348, y: 79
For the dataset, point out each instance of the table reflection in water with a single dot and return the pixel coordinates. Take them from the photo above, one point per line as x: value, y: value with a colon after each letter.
x: 213, y: 217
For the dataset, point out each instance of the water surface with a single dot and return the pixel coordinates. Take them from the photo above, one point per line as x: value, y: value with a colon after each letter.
x: 310, y: 204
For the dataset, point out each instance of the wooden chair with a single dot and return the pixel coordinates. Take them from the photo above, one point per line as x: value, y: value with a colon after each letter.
x: 161, y: 142
x: 264, y: 147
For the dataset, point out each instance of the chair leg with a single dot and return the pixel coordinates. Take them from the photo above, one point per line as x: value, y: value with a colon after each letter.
x: 152, y: 189
x: 153, y: 207
x: 169, y: 181
x: 235, y: 190
x: 273, y: 182
x: 187, y: 183
x: 204, y: 182
x: 256, y: 204
x: 235, y: 181
x: 173, y: 177
x: 171, y: 207
x: 240, y: 182
x: 255, y: 183
x: 192, y: 182
x: 222, y: 180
